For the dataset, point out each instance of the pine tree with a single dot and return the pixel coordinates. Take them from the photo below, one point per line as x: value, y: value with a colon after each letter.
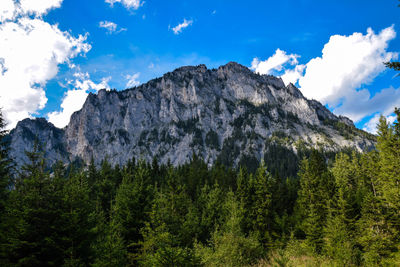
x: 245, y: 194
x: 171, y: 229
x: 109, y: 248
x: 316, y: 188
x: 5, y: 167
x: 106, y: 186
x: 343, y: 212
x: 131, y: 208
x: 264, y: 213
x: 229, y: 246
x: 93, y: 177
x: 379, y: 225
x: 389, y: 163
x: 5, y: 187
x: 209, y: 204
x: 78, y: 221
x: 35, y: 211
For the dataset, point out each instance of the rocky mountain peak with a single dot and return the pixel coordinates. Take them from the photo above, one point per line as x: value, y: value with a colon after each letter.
x: 49, y: 137
x: 294, y: 91
x: 228, y: 114
x: 199, y: 68
x: 234, y: 67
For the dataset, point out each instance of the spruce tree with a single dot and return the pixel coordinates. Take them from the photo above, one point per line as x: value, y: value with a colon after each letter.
x: 131, y: 208
x: 78, y: 220
x: 109, y: 248
x: 316, y: 188
x: 229, y: 246
x: 263, y: 210
x: 5, y: 167
x: 5, y: 187
x: 35, y: 211
x: 343, y: 212
x: 209, y: 204
x: 172, y: 227
x: 389, y: 164
x: 245, y: 194
x: 379, y: 225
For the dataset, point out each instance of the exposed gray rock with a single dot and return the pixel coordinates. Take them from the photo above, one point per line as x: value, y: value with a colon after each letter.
x: 51, y: 139
x: 223, y: 113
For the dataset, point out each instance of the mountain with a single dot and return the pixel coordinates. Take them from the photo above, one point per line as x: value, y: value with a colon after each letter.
x: 227, y: 114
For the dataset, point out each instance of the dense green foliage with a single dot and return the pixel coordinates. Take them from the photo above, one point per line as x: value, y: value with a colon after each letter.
x: 340, y: 212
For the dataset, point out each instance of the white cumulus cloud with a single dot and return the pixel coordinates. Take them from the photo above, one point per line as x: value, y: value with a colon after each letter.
x: 370, y: 126
x: 130, y: 4
x: 347, y: 62
x: 74, y: 99
x: 132, y: 80
x: 7, y: 10
x: 293, y: 75
x: 39, y: 7
x: 358, y: 104
x: 178, y: 28
x: 30, y: 52
x: 11, y: 9
x: 338, y: 78
x: 274, y: 62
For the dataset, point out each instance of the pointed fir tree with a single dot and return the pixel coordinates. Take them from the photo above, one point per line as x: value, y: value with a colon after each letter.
x: 78, y: 220
x: 109, y: 248
x: 5, y: 166
x: 35, y: 236
x: 264, y: 190
x: 209, y: 204
x: 316, y: 188
x: 172, y: 227
x: 343, y: 212
x: 389, y: 165
x: 229, y: 246
x: 5, y: 187
x: 132, y: 206
x: 379, y: 225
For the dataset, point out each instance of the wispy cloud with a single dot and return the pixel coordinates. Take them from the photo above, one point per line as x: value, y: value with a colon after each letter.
x: 132, y: 80
x: 274, y: 62
x: 178, y: 28
x: 129, y: 4
x: 111, y: 27
x: 108, y: 25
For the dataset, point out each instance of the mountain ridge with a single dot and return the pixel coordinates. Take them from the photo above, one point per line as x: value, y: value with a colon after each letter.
x: 221, y: 114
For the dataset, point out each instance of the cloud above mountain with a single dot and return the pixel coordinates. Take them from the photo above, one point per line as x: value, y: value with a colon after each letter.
x: 74, y: 99
x: 25, y: 69
x: 338, y: 77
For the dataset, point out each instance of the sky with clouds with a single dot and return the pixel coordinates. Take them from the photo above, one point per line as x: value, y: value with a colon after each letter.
x: 53, y: 53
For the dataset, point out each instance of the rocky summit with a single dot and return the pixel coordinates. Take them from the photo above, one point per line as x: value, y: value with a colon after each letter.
x: 226, y: 114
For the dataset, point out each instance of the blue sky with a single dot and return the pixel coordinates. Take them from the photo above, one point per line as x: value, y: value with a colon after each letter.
x: 120, y: 43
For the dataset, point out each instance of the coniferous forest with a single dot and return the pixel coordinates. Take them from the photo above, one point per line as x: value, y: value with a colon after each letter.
x: 340, y: 212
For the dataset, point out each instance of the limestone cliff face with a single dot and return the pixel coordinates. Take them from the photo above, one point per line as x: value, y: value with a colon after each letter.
x: 226, y: 114
x: 50, y: 138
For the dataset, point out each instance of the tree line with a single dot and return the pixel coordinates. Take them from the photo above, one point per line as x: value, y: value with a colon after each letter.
x: 344, y: 212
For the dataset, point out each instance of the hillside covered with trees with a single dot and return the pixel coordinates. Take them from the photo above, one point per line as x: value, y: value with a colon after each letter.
x: 340, y: 212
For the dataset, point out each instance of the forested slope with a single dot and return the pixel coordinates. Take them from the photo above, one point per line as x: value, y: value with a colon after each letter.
x: 344, y: 212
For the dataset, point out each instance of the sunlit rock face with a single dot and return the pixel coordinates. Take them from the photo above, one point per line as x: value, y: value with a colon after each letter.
x: 222, y: 114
